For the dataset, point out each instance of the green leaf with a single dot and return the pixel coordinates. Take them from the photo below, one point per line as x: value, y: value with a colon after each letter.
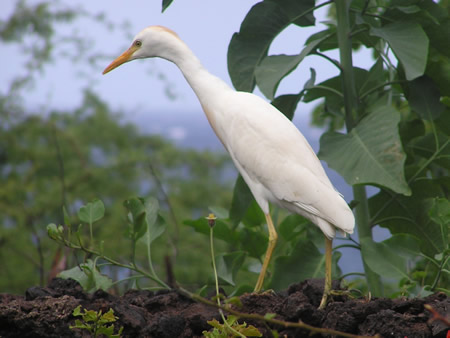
x: 409, y: 43
x: 440, y: 214
x: 270, y: 315
x: 250, y: 331
x: 274, y: 68
x: 304, y: 262
x: 242, y: 198
x: 253, y: 241
x: 219, y: 212
x: 374, y: 78
x: 425, y: 98
x: 287, y: 104
x: 254, y: 215
x: 263, y: 23
x: 88, y: 276
x: 144, y: 217
x: 66, y: 217
x: 228, y: 265
x: 410, y: 215
x: 383, y: 260
x: 165, y: 5
x: 404, y: 245
x: 221, y: 229
x: 426, y: 147
x: 137, y: 215
x: 155, y: 223
x: 92, y: 212
x: 292, y: 226
x: 371, y: 153
x: 77, y: 311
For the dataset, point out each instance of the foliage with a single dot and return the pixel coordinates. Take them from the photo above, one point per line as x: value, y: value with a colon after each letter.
x: 144, y: 221
x: 222, y: 330
x: 51, y: 157
x: 95, y: 322
x: 396, y: 114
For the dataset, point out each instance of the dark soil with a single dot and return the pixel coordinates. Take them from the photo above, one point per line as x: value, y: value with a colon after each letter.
x: 47, y: 312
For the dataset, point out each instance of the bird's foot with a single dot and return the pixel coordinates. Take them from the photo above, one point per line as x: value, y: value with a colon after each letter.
x: 325, y: 299
x: 327, y: 296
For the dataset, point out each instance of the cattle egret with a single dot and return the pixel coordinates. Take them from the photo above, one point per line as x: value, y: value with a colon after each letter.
x: 273, y: 157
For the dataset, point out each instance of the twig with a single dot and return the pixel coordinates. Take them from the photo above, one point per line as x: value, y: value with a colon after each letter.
x: 436, y: 315
x: 254, y: 316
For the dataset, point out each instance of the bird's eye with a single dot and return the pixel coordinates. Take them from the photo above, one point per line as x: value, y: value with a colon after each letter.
x: 138, y: 43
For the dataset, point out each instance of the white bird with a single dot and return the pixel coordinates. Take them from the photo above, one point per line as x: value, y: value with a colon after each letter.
x: 275, y: 160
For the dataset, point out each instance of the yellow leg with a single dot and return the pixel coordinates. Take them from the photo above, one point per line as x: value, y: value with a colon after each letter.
x: 327, y: 288
x: 272, y: 242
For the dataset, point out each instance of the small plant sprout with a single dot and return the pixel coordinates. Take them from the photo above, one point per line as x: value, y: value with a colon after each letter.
x: 95, y: 322
x: 144, y: 224
x: 230, y: 326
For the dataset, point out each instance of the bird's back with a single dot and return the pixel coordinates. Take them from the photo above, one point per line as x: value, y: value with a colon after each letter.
x: 280, y: 166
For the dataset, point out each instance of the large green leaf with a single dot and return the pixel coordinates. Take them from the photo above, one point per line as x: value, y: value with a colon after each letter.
x: 409, y: 43
x: 88, y: 276
x: 305, y: 261
x: 262, y: 24
x: 425, y: 98
x: 287, y: 104
x: 440, y: 214
x: 242, y: 198
x: 228, y: 265
x: 436, y: 147
x: 371, y: 153
x: 383, y: 260
x: 221, y: 229
x: 404, y: 245
x: 292, y: 226
x: 274, y: 68
x: 254, y: 215
x: 254, y: 242
x: 410, y: 215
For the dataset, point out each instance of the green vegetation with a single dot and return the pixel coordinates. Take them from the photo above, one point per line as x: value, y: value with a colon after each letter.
x: 396, y: 116
x: 96, y: 323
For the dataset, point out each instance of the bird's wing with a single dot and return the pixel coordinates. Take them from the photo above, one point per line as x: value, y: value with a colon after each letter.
x: 275, y: 155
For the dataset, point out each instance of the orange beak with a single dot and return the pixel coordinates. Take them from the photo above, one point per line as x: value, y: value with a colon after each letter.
x: 125, y: 57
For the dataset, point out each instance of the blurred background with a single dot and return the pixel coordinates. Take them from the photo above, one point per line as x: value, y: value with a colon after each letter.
x: 70, y: 135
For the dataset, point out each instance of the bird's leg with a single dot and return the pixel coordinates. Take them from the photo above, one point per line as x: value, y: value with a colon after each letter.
x: 273, y: 236
x: 327, y: 288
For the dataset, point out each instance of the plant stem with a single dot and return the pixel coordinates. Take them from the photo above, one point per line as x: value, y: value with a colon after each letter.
x: 211, y: 244
x: 350, y: 104
x: 131, y: 266
x: 216, y: 278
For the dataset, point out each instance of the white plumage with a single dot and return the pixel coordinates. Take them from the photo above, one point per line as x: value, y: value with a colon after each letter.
x: 273, y: 157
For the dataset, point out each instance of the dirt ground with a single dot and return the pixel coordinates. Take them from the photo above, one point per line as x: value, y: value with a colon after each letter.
x: 47, y: 312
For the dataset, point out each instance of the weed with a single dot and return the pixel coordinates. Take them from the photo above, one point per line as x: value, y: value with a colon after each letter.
x: 95, y: 322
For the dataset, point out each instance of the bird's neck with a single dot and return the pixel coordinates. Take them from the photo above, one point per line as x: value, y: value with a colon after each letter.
x: 210, y: 90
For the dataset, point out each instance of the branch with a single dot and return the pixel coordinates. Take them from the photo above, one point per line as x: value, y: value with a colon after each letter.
x: 285, y: 324
x: 436, y: 315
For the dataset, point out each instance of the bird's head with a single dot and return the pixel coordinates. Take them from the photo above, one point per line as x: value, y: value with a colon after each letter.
x: 153, y: 41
